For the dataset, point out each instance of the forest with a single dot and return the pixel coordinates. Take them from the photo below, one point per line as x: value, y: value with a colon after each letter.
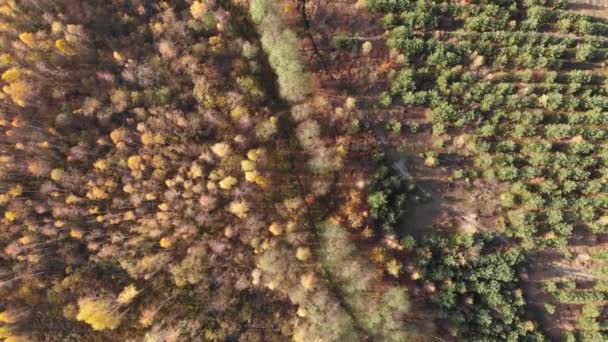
x: 303, y: 170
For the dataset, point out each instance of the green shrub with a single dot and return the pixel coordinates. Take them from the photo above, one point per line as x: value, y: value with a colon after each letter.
x: 388, y: 197
x: 478, y: 286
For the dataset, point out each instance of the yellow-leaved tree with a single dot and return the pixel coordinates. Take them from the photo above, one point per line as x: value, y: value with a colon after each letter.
x: 99, y: 313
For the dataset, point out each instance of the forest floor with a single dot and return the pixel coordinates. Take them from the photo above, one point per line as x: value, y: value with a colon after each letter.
x: 592, y: 10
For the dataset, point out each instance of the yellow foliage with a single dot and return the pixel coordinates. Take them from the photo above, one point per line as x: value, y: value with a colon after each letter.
x: 129, y: 216
x: 301, y: 313
x: 19, y: 91
x: 308, y: 280
x: 255, y: 177
x: 4, y: 198
x: 28, y: 39
x: 228, y: 183
x: 33, y: 258
x: 276, y: 229
x: 135, y: 163
x: 351, y: 103
x: 70, y: 311
x: 378, y: 254
x: 159, y: 139
x: 158, y: 162
x: 5, y: 332
x: 65, y: 48
x: 303, y: 253
x: 76, y: 233
x: 9, y: 8
x: 215, y: 41
x: 196, y: 171
x: 15, y: 190
x: 25, y: 291
x: 56, y: 174
x: 8, y: 317
x: 166, y: 242
x: 198, y: 10
x: 157, y: 28
x: 128, y: 188
x: 251, y: 176
x: 26, y: 240
x: 239, y: 209
x: 549, y: 236
x: 255, y: 154
x: 293, y: 204
x: 247, y: 165
x: 6, y: 59
x: 291, y: 227
x: 147, y: 138
x: 261, y: 181
x: 127, y: 295
x: 117, y: 56
x: 101, y: 165
x: 118, y: 135
x: 71, y: 199
x: 287, y: 9
x: 99, y: 313
x: 221, y: 149
x: 12, y: 74
x: 110, y: 184
x: 238, y: 112
x: 18, y: 122
x: 97, y: 193
x: 393, y: 268
x: 431, y: 161
x: 56, y: 27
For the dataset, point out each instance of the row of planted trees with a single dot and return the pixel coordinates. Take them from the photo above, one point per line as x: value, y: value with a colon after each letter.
x: 526, y: 104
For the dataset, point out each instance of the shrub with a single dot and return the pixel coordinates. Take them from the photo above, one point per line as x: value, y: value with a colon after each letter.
x: 477, y: 284
x: 387, y: 198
